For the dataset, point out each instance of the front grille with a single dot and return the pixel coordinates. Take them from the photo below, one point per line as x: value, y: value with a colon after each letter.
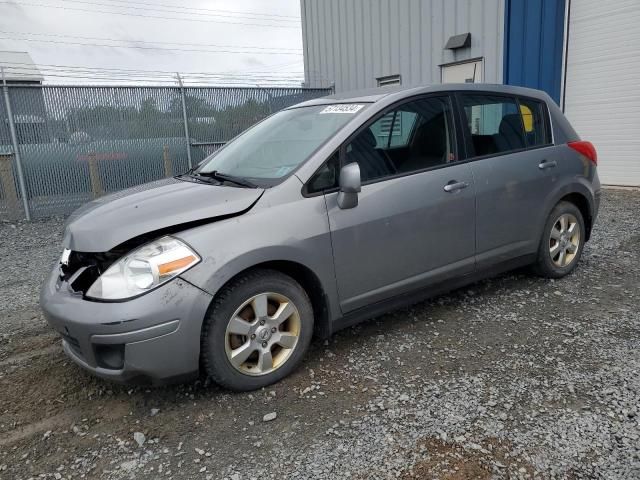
x: 82, y: 269
x: 78, y: 260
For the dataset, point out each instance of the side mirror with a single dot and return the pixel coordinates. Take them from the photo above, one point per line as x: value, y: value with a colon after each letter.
x: 349, y: 186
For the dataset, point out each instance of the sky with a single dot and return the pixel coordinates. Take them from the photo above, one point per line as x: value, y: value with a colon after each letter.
x: 249, y: 42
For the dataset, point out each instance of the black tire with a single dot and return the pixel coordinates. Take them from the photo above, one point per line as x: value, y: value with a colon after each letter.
x: 545, y: 266
x: 215, y: 362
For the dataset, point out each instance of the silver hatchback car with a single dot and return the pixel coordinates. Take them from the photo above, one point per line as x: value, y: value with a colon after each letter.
x: 322, y: 215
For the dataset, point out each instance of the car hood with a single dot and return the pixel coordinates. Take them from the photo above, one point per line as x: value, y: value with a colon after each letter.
x: 113, y: 219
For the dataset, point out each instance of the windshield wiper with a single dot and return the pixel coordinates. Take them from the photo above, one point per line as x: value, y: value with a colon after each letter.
x: 192, y: 177
x: 223, y: 177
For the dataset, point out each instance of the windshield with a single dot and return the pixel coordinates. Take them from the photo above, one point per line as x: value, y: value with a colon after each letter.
x: 271, y: 149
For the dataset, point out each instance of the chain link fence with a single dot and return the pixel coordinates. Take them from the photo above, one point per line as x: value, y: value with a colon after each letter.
x: 76, y: 143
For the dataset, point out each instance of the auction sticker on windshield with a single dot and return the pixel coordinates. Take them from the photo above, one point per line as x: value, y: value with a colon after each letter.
x: 343, y: 108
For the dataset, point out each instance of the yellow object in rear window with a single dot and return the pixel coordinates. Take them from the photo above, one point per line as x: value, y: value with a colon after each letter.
x: 527, y: 118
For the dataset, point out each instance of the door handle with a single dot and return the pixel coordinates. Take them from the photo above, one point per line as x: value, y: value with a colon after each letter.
x: 547, y: 164
x: 454, y: 186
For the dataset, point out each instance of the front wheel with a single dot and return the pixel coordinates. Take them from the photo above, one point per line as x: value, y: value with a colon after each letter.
x: 257, y: 331
x: 562, y: 242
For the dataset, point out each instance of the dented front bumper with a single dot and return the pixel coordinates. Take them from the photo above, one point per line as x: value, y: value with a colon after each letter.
x: 153, y: 338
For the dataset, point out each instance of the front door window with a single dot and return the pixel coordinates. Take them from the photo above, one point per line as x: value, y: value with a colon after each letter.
x: 413, y: 137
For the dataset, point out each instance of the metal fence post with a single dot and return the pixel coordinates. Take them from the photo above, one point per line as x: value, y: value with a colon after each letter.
x: 16, y: 150
x: 185, y: 119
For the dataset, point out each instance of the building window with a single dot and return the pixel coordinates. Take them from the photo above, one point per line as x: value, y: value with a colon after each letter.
x: 389, y: 80
x: 469, y: 71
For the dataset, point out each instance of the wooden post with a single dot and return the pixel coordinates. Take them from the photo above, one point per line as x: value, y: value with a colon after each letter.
x: 166, y: 158
x: 94, y: 174
x: 8, y: 184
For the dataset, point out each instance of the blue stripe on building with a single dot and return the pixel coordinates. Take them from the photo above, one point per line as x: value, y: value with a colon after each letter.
x: 533, y: 44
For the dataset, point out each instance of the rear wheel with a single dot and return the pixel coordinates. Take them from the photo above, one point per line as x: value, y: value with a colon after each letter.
x: 562, y: 241
x: 257, y: 330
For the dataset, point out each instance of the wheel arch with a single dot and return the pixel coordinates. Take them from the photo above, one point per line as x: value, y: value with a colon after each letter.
x: 580, y: 201
x: 309, y: 282
x: 577, y: 193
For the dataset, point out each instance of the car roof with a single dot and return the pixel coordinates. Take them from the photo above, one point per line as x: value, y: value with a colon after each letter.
x: 373, y: 95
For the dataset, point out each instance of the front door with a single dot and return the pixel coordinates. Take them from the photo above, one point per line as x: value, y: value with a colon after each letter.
x: 414, y: 224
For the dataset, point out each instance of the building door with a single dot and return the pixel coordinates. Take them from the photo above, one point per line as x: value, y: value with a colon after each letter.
x: 602, y: 89
x: 467, y: 72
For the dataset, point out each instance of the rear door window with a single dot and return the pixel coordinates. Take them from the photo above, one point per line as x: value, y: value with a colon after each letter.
x: 494, y: 123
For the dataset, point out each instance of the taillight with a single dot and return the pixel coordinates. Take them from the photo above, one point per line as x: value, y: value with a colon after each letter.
x: 585, y: 148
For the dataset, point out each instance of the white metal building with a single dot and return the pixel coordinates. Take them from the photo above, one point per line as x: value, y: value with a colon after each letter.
x: 602, y: 87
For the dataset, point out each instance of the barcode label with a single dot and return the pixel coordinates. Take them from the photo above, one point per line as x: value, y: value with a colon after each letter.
x: 342, y: 108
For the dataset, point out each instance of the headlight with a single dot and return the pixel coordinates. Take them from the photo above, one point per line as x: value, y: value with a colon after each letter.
x: 144, y: 269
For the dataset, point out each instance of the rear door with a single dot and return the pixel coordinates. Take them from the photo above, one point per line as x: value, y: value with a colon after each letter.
x: 408, y: 230
x: 514, y: 164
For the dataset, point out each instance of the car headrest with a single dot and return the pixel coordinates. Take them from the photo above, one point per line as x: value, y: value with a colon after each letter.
x: 367, y: 138
x: 430, y: 138
x: 511, y: 125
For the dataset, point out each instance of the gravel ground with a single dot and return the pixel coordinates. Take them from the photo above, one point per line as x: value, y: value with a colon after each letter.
x: 514, y: 377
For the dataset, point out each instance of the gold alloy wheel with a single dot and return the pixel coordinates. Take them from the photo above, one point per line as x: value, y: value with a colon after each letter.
x: 564, y: 240
x: 262, y: 334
